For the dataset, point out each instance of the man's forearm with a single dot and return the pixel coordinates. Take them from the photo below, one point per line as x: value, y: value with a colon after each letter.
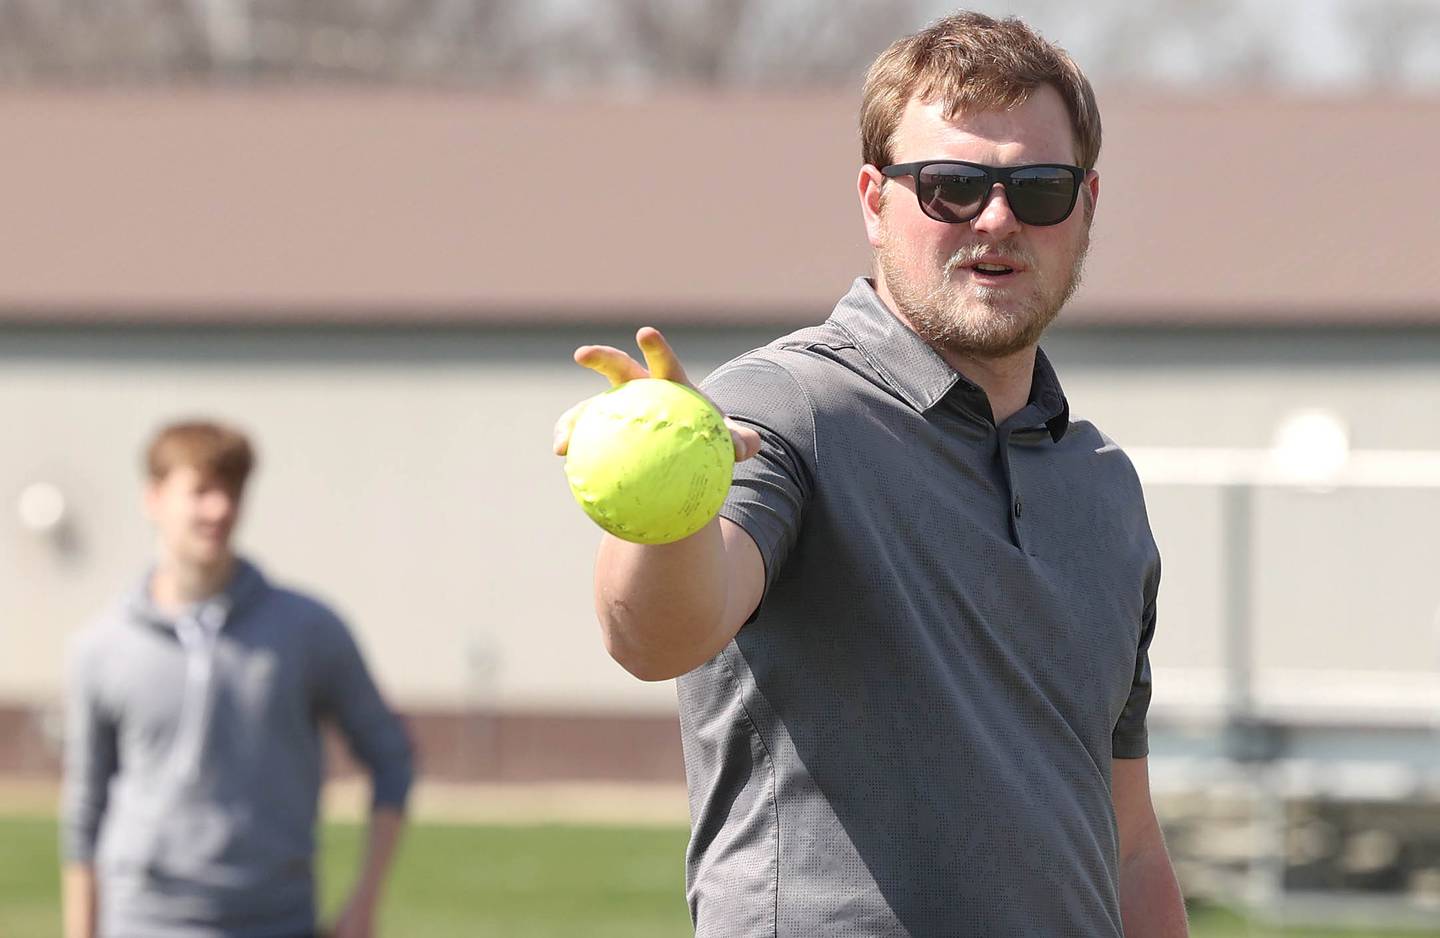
x: 662, y: 607
x: 78, y: 905
x: 386, y: 825
x: 1151, y: 905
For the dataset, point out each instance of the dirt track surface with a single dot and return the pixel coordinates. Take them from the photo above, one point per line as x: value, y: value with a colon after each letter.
x: 549, y: 803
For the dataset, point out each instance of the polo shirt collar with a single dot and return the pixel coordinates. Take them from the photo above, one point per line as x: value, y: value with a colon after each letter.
x: 920, y: 376
x: 1048, y: 398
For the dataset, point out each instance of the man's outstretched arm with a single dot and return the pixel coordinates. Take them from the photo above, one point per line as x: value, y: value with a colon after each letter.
x: 665, y: 609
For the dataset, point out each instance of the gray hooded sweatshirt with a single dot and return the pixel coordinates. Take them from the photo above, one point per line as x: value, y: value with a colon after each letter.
x: 193, y: 758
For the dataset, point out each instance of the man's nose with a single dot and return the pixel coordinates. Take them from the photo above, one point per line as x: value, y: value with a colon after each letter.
x: 996, y: 219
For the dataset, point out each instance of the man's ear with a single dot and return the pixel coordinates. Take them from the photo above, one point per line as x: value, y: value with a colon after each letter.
x: 1092, y: 183
x: 869, y: 187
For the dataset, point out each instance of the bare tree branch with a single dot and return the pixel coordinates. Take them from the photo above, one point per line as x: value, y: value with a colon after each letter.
x: 488, y: 43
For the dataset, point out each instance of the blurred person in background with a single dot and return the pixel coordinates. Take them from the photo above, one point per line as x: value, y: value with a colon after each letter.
x: 193, y: 760
x: 912, y: 651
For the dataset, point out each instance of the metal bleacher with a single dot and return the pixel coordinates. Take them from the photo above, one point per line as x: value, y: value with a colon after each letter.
x: 1311, y: 796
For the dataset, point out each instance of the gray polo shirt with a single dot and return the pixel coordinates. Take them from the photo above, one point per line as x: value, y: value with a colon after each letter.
x: 913, y: 734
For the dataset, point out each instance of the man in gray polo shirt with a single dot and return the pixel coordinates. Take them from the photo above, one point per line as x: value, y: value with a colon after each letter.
x: 193, y: 748
x: 913, y: 650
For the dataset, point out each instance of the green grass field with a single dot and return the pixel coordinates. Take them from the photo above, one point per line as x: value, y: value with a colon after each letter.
x: 475, y: 881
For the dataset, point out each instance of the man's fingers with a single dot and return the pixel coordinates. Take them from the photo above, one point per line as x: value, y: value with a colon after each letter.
x: 614, y: 364
x: 659, y: 357
x: 660, y: 360
x: 746, y: 440
x: 565, y: 426
x: 618, y: 367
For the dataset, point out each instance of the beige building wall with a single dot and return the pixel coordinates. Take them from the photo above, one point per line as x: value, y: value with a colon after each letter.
x: 1345, y: 600
x: 406, y: 477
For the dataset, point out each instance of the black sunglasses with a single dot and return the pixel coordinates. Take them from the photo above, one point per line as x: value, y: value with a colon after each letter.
x: 954, y: 191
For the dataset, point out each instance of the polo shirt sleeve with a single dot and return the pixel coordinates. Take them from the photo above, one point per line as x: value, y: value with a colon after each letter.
x: 1130, y: 739
x: 770, y: 490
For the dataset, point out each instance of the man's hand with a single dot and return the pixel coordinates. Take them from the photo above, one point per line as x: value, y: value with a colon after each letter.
x: 665, y: 609
x: 660, y: 362
x: 358, y: 918
x: 356, y: 921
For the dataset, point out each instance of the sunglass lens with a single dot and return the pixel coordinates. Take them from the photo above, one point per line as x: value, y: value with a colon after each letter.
x: 1041, y: 195
x: 952, y: 192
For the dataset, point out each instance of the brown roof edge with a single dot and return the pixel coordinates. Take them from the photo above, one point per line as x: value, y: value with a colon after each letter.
x: 334, y: 206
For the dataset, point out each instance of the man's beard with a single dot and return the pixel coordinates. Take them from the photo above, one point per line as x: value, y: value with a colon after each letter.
x: 972, y: 321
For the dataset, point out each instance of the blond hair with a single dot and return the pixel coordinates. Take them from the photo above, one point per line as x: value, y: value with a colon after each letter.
x: 973, y: 62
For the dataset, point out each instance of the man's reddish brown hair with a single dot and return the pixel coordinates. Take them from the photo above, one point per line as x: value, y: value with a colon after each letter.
x: 218, y: 451
x: 971, y: 62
